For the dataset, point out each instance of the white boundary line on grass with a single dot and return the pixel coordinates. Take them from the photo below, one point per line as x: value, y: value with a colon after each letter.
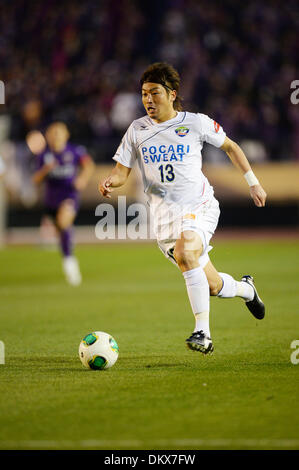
x: 160, y: 443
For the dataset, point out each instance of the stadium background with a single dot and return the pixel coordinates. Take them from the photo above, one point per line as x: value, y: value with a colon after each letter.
x: 80, y: 62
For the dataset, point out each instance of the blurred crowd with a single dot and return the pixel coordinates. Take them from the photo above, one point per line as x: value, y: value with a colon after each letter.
x: 80, y: 62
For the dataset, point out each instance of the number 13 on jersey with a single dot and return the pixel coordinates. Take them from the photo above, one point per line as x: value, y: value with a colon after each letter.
x: 166, y: 173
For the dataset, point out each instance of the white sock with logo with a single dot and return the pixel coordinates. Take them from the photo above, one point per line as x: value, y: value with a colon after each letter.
x: 199, y: 297
x: 232, y: 288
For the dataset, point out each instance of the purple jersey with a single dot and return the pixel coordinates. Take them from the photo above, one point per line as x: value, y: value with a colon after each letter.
x: 59, y: 181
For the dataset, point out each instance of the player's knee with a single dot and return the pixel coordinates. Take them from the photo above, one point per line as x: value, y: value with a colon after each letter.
x: 62, y: 223
x: 65, y: 217
x: 186, y: 259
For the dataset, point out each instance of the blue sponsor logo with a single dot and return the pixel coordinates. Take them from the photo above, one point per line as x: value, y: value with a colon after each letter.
x: 165, y: 153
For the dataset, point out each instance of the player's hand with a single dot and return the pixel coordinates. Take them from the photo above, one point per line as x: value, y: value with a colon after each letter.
x: 47, y: 167
x: 258, y: 195
x: 105, y: 187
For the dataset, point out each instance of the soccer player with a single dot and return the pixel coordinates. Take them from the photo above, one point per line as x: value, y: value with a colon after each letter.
x: 167, y: 145
x: 66, y: 169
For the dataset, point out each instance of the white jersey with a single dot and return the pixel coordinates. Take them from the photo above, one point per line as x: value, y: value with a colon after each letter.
x: 170, y: 160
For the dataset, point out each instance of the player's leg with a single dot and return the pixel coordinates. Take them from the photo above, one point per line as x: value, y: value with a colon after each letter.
x: 188, y: 249
x: 65, y: 217
x: 66, y: 214
x: 224, y: 286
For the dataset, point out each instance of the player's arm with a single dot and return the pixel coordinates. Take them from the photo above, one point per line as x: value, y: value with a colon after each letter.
x: 239, y: 160
x: 40, y: 175
x: 86, y: 169
x: 117, y: 178
x: 42, y: 172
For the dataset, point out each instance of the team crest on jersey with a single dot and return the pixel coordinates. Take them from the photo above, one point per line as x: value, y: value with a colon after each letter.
x: 182, y: 131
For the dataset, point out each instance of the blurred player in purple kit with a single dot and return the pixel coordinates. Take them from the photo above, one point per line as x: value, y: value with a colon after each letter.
x: 65, y: 168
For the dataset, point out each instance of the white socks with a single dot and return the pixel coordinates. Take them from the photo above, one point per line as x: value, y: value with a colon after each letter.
x: 232, y: 288
x: 71, y: 270
x: 199, y: 296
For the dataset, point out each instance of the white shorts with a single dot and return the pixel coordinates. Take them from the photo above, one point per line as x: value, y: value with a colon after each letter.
x: 202, y: 220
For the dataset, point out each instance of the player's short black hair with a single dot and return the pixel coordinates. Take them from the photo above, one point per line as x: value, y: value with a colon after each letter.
x: 167, y: 76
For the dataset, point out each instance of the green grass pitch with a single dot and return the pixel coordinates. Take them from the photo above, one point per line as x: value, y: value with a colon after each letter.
x: 159, y: 395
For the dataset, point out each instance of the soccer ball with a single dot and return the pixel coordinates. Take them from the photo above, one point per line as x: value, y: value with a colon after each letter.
x: 98, y: 350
